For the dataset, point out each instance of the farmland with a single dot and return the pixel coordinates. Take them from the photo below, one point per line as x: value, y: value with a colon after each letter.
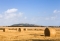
x: 27, y: 34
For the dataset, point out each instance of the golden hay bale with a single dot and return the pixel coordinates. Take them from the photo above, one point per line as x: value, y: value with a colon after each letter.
x: 20, y: 29
x: 51, y: 32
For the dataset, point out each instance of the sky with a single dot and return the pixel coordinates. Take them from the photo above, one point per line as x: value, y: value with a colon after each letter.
x: 40, y: 12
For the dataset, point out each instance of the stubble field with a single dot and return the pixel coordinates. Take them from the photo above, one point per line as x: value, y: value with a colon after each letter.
x: 30, y: 34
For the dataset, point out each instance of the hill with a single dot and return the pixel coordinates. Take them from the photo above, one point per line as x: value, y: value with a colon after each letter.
x: 24, y: 25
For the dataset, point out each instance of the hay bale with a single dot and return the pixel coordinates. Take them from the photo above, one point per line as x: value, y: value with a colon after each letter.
x: 24, y: 29
x: 51, y: 32
x: 19, y: 29
x: 3, y: 29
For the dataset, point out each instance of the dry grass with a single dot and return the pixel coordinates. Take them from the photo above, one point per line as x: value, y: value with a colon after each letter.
x: 28, y: 36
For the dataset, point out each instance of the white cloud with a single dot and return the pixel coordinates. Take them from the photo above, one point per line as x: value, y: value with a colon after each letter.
x: 56, y: 11
x: 25, y: 17
x: 11, y: 13
x: 20, y: 14
x: 1, y: 16
x: 51, y: 18
x: 11, y: 10
x: 10, y: 16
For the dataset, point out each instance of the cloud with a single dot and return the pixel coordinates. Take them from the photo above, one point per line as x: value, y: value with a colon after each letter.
x: 13, y: 16
x: 51, y: 18
x: 13, y: 10
x: 56, y: 11
x: 11, y: 13
x: 10, y: 16
x: 20, y: 14
x: 1, y: 16
x: 25, y: 17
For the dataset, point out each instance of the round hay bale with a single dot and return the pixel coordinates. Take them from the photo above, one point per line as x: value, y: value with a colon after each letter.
x: 24, y: 29
x: 19, y: 29
x: 51, y: 32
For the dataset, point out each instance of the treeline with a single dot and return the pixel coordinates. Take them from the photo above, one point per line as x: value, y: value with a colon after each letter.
x: 29, y: 25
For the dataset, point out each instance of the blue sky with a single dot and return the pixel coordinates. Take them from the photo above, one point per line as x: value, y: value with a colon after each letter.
x: 40, y: 12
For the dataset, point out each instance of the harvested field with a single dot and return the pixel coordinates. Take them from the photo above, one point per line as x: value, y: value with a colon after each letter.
x: 28, y: 34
